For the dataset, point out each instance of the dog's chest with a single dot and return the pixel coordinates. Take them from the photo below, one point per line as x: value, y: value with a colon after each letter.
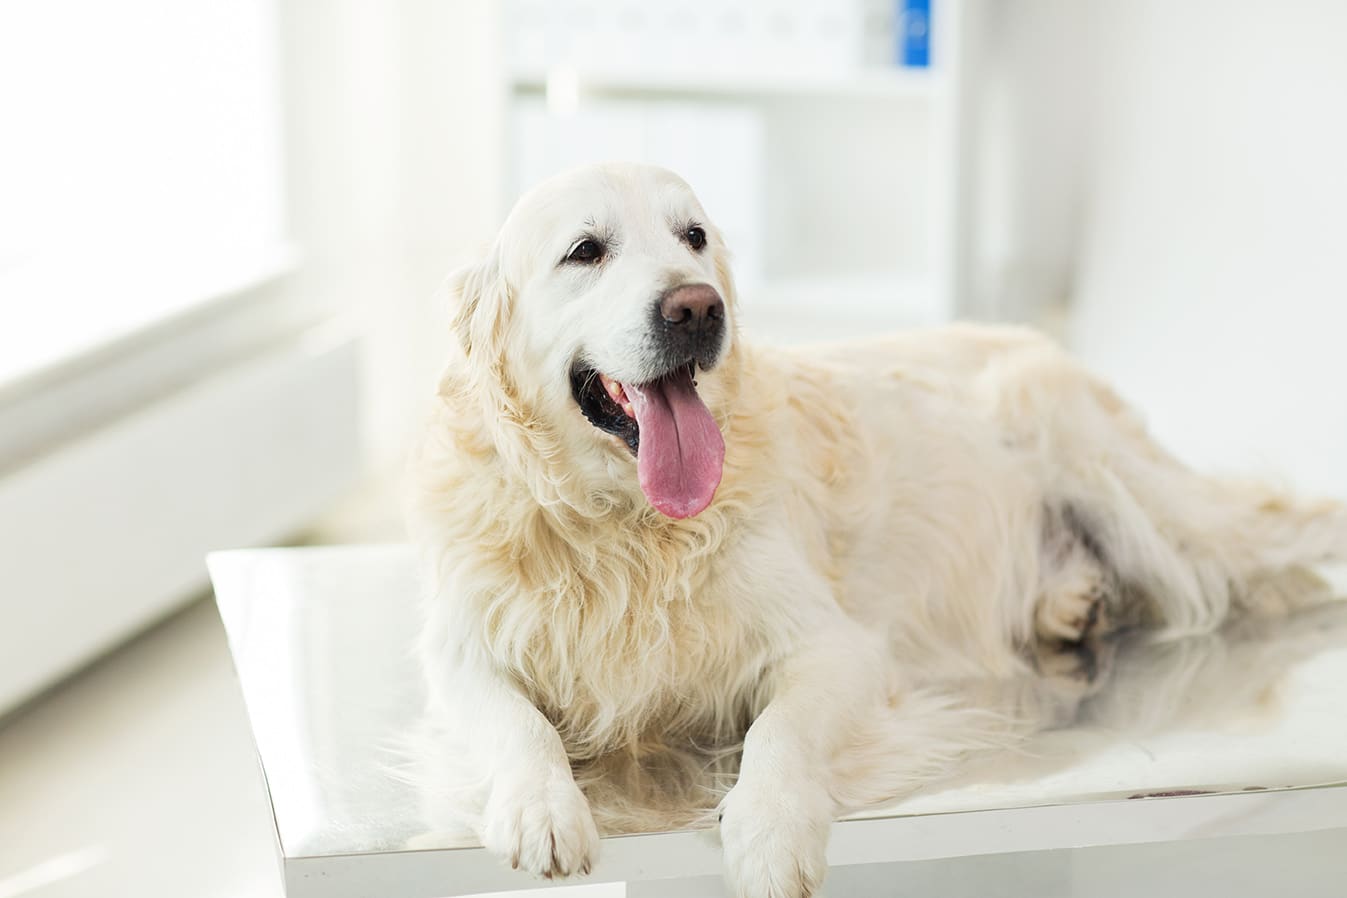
x: 668, y: 662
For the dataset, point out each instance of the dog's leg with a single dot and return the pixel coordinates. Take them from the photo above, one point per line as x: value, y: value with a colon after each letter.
x: 775, y: 821
x: 836, y: 734
x: 840, y: 734
x: 533, y: 813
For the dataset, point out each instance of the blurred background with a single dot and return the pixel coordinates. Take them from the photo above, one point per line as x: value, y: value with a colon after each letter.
x: 224, y: 225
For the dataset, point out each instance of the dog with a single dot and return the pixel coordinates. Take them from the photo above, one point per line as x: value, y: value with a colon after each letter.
x: 643, y: 533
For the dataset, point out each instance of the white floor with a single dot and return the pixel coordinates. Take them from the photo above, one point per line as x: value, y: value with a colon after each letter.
x: 137, y: 778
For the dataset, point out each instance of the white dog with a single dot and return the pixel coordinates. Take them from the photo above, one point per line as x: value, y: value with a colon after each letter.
x: 646, y: 534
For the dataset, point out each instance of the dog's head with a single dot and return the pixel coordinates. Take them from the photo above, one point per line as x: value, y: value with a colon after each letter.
x: 605, y: 314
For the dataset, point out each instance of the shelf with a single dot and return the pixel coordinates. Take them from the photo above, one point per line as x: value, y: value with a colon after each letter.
x: 878, y: 82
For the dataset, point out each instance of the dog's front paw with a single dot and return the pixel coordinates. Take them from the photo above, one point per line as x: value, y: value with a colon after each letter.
x: 542, y: 825
x: 775, y: 840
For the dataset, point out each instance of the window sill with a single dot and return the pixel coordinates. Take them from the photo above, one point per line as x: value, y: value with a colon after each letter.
x: 63, y: 378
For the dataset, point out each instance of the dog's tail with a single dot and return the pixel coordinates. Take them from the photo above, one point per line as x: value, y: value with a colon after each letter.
x: 1185, y: 548
x: 1273, y: 544
x: 1195, y: 548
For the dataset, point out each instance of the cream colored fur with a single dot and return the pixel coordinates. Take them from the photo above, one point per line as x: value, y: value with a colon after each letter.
x: 895, y: 516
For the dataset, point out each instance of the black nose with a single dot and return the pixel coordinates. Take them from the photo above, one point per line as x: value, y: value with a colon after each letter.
x: 691, y: 322
x: 691, y: 306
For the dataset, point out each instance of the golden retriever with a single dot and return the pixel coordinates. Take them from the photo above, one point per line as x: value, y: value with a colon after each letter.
x: 646, y: 533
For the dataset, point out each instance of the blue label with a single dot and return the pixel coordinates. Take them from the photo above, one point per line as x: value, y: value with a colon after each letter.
x: 914, y: 33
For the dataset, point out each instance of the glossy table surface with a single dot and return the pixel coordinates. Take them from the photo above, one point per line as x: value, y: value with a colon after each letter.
x: 322, y: 641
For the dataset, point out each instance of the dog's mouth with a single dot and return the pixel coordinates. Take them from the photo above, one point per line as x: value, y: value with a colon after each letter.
x: 679, y: 451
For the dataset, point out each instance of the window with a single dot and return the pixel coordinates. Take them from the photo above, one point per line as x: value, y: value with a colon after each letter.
x: 140, y: 171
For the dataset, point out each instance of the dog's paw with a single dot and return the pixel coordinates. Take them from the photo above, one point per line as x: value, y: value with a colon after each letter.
x: 775, y: 840
x: 1073, y: 611
x: 1073, y: 622
x: 542, y: 825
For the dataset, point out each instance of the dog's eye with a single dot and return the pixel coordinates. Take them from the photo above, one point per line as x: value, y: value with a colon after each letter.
x: 696, y: 237
x: 586, y: 251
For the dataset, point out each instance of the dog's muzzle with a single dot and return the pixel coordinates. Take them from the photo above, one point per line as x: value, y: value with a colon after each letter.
x: 689, y: 324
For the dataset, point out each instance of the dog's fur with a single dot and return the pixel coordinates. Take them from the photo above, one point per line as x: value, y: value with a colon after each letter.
x: 950, y: 505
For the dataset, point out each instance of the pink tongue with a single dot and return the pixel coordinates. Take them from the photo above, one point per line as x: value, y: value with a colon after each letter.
x: 681, y: 451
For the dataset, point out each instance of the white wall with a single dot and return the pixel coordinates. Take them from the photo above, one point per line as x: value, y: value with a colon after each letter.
x: 1027, y: 128
x: 1211, y: 270
x: 394, y: 165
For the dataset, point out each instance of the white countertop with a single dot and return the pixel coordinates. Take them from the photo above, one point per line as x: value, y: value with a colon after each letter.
x: 322, y: 642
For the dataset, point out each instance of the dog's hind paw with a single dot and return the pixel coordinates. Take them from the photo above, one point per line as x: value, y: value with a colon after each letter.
x: 1073, y: 610
x: 1072, y: 623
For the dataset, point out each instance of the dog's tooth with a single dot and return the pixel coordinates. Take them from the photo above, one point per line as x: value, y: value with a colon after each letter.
x: 612, y: 387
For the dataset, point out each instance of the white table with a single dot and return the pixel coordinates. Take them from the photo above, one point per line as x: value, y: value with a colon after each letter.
x: 321, y: 640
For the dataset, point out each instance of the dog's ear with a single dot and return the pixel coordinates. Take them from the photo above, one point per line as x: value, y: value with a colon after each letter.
x: 480, y: 296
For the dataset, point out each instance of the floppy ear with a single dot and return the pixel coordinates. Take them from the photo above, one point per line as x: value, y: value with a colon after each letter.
x: 482, y: 297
